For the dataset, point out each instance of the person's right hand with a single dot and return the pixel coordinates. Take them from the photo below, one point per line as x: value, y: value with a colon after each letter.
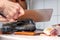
x: 11, y: 10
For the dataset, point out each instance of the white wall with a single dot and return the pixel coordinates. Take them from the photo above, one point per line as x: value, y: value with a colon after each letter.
x: 45, y: 4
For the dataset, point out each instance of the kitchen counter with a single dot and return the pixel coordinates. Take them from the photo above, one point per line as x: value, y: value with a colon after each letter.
x: 24, y: 37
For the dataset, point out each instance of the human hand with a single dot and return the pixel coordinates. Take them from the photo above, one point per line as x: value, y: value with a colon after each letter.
x: 12, y: 11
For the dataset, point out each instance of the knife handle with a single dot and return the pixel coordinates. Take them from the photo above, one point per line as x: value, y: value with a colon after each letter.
x: 2, y: 15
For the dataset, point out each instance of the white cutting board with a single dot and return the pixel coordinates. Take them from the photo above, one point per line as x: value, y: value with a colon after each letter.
x: 23, y: 37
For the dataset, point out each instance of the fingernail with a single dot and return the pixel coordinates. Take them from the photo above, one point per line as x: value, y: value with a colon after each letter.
x: 15, y: 17
x: 18, y: 12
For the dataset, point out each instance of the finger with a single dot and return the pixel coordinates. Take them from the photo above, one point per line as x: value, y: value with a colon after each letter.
x: 17, y: 6
x: 3, y: 19
x: 14, y: 5
x: 5, y: 12
x: 17, y: 13
x: 21, y: 11
x: 11, y: 12
x: 12, y: 20
x: 15, y: 17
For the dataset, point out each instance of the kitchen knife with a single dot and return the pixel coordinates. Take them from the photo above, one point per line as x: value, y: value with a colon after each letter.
x: 37, y: 15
